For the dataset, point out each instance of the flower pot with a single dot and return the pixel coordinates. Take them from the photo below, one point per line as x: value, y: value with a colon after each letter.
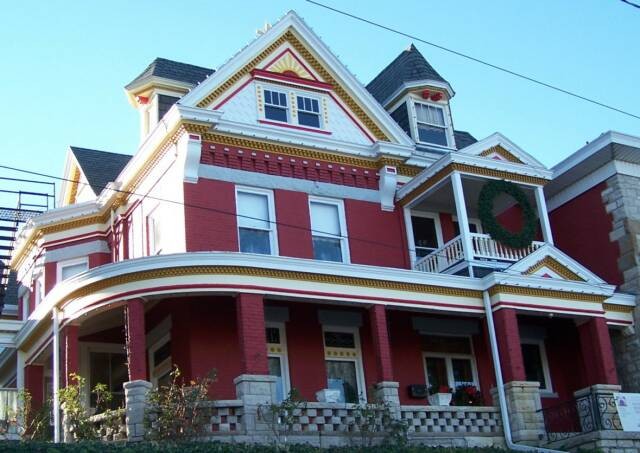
x: 440, y: 399
x: 328, y: 396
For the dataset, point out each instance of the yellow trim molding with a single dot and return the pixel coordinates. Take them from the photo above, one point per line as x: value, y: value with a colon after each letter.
x: 501, y: 152
x: 618, y: 308
x: 556, y: 267
x: 550, y: 293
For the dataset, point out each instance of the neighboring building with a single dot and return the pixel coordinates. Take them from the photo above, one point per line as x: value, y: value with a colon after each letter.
x: 594, y: 206
x: 288, y: 227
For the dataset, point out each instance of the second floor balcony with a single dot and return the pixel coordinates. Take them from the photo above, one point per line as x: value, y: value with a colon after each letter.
x: 442, y: 211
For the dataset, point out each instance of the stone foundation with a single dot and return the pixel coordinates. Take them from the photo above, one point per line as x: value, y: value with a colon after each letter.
x: 524, y: 405
x: 136, y: 397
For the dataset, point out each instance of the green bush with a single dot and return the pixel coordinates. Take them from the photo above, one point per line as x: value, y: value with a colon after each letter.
x: 215, y: 447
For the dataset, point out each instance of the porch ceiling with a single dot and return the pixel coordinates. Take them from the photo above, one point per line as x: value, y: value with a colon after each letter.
x: 441, y: 198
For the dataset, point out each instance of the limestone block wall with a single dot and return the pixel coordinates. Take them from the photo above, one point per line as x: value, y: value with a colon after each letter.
x: 622, y: 201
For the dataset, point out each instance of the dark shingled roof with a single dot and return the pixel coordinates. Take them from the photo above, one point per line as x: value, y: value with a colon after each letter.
x: 463, y: 139
x: 99, y: 167
x: 174, y: 70
x: 409, y: 66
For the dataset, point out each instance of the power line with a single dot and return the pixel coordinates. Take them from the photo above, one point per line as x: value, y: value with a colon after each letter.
x: 630, y: 3
x: 218, y: 211
x: 478, y: 60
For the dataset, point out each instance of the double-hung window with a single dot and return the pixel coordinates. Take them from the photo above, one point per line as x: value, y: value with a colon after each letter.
x: 308, y: 111
x: 431, y: 124
x: 449, y: 361
x: 275, y: 106
x: 328, y: 230
x: 256, y: 221
x: 160, y: 362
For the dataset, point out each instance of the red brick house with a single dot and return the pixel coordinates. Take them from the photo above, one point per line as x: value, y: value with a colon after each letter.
x: 289, y: 227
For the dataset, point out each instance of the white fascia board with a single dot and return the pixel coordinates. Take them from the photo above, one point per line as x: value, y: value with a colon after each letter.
x: 535, y: 282
x: 592, y: 148
x: 493, y: 164
x: 291, y: 19
x: 6, y: 355
x: 497, y: 139
x: 393, y: 149
x: 70, y: 160
x: 406, y: 86
x: 622, y: 299
x: 279, y: 134
x: 580, y: 186
x: 422, y: 161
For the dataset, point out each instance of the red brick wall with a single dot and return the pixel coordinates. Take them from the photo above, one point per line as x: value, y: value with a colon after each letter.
x: 406, y: 354
x: 484, y: 363
x: 376, y: 237
x: 292, y: 208
x: 284, y: 165
x: 34, y: 383
x: 99, y: 259
x: 306, y: 351
x: 508, y: 338
x: 251, y: 333
x: 210, y: 222
x: 581, y: 229
x: 446, y: 223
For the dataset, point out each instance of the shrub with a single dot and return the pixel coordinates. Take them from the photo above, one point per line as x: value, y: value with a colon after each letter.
x: 281, y: 417
x: 175, y: 412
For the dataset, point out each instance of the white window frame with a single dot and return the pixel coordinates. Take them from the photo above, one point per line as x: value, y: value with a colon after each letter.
x: 283, y: 354
x: 545, y: 365
x: 85, y: 367
x: 158, y: 370
x: 273, y: 230
x: 319, y: 112
x: 357, y: 359
x: 342, y: 220
x: 153, y: 221
x: 26, y: 298
x: 68, y: 263
x: 38, y: 289
x: 409, y: 227
x: 287, y: 108
x: 472, y: 221
x: 448, y: 362
x: 292, y: 105
x: 448, y: 127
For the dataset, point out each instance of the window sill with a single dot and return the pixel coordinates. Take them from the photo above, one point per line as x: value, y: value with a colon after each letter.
x: 548, y: 395
x: 435, y: 145
x: 293, y: 126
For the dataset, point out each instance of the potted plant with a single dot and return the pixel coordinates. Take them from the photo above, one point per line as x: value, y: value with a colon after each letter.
x: 439, y: 395
x: 467, y: 395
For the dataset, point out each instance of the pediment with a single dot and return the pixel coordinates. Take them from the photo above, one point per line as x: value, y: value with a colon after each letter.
x: 549, y: 262
x: 290, y: 54
x: 500, y: 148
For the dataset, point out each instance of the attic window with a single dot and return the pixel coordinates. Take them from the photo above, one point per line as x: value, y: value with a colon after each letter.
x: 431, y: 125
x: 275, y: 105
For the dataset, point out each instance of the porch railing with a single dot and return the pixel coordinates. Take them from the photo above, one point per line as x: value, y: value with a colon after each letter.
x: 473, y: 420
x: 593, y: 412
x: 484, y: 248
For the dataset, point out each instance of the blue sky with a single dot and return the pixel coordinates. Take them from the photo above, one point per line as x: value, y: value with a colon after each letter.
x: 64, y: 64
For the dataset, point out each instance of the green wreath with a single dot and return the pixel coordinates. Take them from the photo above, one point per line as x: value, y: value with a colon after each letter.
x: 490, y: 223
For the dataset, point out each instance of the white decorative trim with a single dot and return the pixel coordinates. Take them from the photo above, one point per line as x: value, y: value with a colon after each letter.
x: 387, y: 186
x: 497, y: 139
x: 321, y: 189
x: 406, y: 86
x: 75, y: 251
x: 592, y: 148
x: 189, y: 150
x: 292, y: 21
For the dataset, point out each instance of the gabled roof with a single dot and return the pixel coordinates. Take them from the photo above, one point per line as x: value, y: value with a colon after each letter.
x: 292, y: 31
x: 409, y: 66
x: 99, y: 167
x: 463, y: 139
x: 173, y: 70
x: 500, y: 147
x: 550, y: 262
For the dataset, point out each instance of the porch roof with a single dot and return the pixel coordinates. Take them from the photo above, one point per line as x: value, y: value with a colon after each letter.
x: 521, y: 167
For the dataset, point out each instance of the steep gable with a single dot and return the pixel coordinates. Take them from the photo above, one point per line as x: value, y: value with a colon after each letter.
x: 500, y: 148
x: 291, y: 55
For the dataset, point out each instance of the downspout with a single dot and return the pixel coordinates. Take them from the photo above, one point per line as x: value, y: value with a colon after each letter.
x: 504, y: 412
x: 56, y: 376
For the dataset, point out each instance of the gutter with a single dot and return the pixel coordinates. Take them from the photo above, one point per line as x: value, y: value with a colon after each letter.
x: 504, y: 412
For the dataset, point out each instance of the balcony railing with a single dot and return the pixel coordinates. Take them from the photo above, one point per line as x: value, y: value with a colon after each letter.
x: 484, y: 249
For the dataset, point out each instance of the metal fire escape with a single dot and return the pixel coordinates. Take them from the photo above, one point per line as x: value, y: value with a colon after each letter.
x: 12, y: 216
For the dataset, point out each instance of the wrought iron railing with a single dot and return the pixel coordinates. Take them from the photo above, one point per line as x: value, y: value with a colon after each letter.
x: 593, y: 412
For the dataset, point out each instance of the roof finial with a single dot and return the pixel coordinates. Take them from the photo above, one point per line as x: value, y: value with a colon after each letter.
x: 263, y: 30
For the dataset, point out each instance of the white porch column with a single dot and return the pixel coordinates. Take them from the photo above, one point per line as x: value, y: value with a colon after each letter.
x: 56, y: 376
x: 463, y: 219
x: 541, y: 203
x: 20, y: 361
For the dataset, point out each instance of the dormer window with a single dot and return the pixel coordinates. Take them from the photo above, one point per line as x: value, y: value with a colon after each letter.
x: 431, y: 124
x: 275, y: 106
